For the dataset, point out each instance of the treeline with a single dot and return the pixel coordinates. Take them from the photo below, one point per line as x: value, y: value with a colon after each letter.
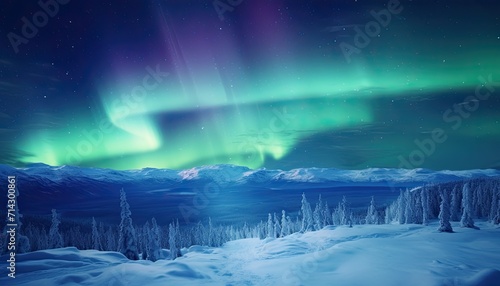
x: 457, y: 201
x: 477, y: 198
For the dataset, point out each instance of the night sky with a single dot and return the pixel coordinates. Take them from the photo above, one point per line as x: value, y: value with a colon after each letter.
x: 275, y: 84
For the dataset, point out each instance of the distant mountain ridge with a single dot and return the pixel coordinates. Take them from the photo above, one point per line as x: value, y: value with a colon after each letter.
x: 239, y: 175
x: 225, y: 192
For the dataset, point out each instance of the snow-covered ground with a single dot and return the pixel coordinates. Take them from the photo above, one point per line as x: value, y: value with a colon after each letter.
x: 361, y: 255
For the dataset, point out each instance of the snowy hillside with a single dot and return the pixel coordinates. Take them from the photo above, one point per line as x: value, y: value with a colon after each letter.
x: 362, y: 255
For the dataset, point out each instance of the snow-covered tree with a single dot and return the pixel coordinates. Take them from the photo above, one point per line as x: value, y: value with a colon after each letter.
x: 55, y: 238
x: 270, y: 226
x: 96, y: 241
x: 496, y: 218
x: 284, y: 225
x: 102, y: 237
x: 127, y: 243
x: 291, y: 228
x: 371, y: 214
x: 444, y: 213
x: 466, y: 220
x: 44, y: 239
x: 178, y: 236
x: 425, y: 206
x: 307, y: 219
x: 409, y: 207
x: 277, y: 226
x: 22, y: 243
x: 318, y: 214
x: 345, y: 213
x: 478, y: 205
x: 174, y: 250
x: 154, y: 241
x: 401, y: 207
x: 455, y: 204
x: 327, y: 215
x: 145, y: 241
x: 110, y: 240
x: 494, y: 207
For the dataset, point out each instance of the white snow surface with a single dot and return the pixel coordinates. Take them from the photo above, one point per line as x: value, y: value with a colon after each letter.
x: 362, y: 255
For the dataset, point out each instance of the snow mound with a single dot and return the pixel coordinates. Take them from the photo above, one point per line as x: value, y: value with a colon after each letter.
x: 486, y: 277
x: 412, y: 255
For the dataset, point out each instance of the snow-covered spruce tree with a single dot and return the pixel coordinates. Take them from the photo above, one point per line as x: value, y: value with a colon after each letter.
x: 270, y: 228
x: 425, y: 206
x: 277, y: 226
x: 171, y: 241
x: 327, y: 215
x: 211, y: 234
x: 444, y: 213
x: 199, y: 234
x: 145, y: 241
x: 307, y: 219
x: 408, y: 207
x: 31, y: 234
x: 178, y: 237
x: 284, y: 225
x: 387, y: 215
x: 371, y: 214
x: 345, y: 214
x: 291, y: 228
x: 22, y: 244
x: 477, y: 194
x: 110, y: 240
x: 55, y: 238
x: 318, y: 214
x: 96, y: 240
x: 401, y: 207
x: 494, y: 206
x: 455, y: 204
x: 127, y: 243
x: 496, y: 219
x: 466, y: 220
x: 391, y: 212
x: 340, y: 215
x: 102, y: 237
x: 336, y: 216
x: 44, y: 239
x: 154, y: 241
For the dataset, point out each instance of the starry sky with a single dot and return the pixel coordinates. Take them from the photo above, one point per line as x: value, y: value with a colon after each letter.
x: 268, y: 83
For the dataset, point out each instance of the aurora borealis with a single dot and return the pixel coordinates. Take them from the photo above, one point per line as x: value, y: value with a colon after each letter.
x: 167, y: 84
